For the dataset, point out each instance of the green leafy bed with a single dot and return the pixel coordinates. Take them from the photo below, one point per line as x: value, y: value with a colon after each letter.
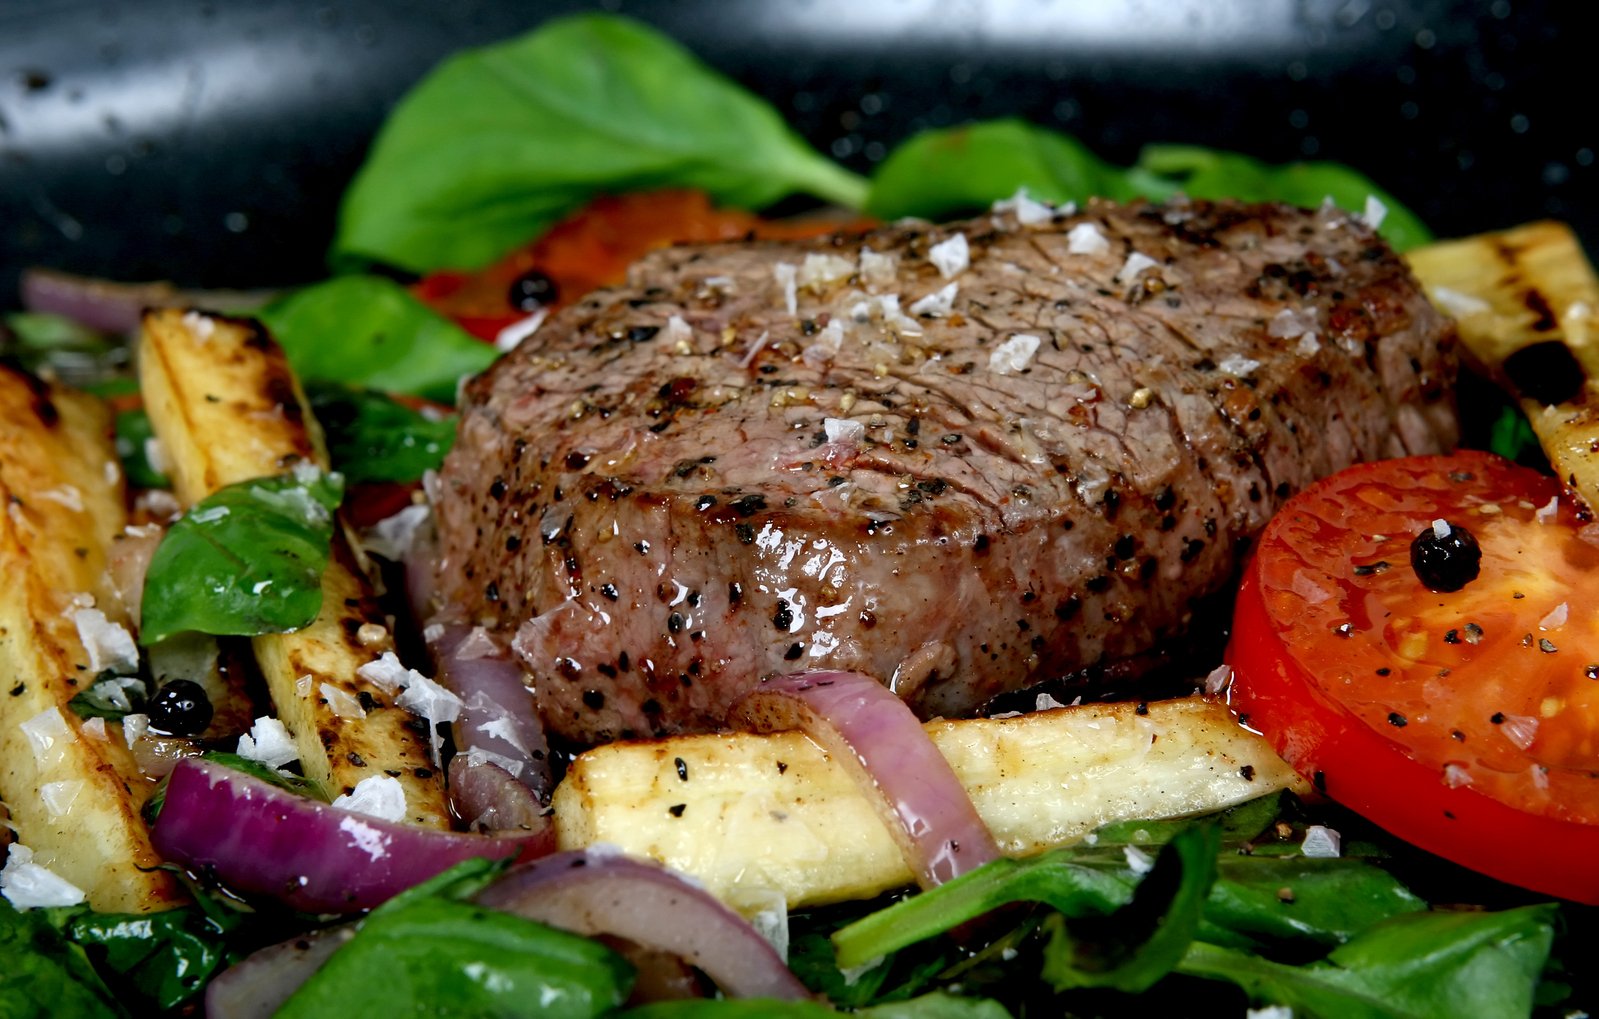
x: 493, y: 147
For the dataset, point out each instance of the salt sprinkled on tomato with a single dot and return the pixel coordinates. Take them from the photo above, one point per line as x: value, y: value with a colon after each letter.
x: 1463, y: 718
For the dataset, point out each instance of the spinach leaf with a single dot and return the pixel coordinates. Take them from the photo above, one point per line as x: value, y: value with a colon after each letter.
x: 166, y: 957
x: 431, y: 948
x: 928, y: 1006
x: 1138, y: 944
x: 373, y: 437
x: 1418, y: 966
x: 247, y: 559
x: 1210, y: 173
x: 111, y: 697
x: 1512, y: 437
x: 370, y: 331
x: 1260, y: 901
x: 44, y: 974
x: 133, y: 433
x: 496, y: 144
x: 949, y: 171
x: 946, y: 172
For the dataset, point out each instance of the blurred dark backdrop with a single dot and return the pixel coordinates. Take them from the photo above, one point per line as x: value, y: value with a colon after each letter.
x: 207, y: 142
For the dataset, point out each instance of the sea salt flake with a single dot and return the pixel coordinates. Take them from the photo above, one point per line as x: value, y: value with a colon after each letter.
x: 1375, y: 212
x: 1456, y: 775
x: 379, y: 796
x: 366, y: 838
x: 1028, y: 210
x: 394, y: 536
x: 1138, y: 861
x: 1136, y: 263
x: 513, y: 335
x: 843, y: 430
x: 1321, y: 842
x: 1237, y: 365
x: 341, y: 702
x: 202, y: 326
x: 427, y: 699
x: 821, y: 270
x: 387, y: 673
x: 1219, y: 679
x: 787, y: 275
x: 936, y: 304
x: 878, y: 270
x: 29, y: 885
x: 64, y: 495
x: 48, y: 734
x: 1520, y: 730
x: 1014, y: 355
x: 269, y: 742
x: 1044, y: 702
x: 1086, y: 239
x: 1555, y: 619
x: 109, y: 645
x: 1458, y: 304
x: 1547, y: 513
x: 951, y: 256
x: 678, y: 331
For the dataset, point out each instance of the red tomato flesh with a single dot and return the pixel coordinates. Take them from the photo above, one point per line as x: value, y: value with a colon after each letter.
x: 1467, y: 722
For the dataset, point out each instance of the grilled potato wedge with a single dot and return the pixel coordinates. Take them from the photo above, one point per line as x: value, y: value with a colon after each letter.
x: 73, y: 790
x: 1527, y: 304
x: 227, y: 408
x: 748, y: 814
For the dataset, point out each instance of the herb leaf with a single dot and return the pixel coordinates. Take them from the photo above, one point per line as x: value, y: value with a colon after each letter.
x: 951, y: 171
x: 133, y: 432
x: 369, y: 331
x: 498, y: 143
x: 45, y: 974
x: 431, y: 946
x: 167, y: 957
x: 372, y: 437
x: 248, y: 559
x: 111, y: 697
x: 1422, y: 965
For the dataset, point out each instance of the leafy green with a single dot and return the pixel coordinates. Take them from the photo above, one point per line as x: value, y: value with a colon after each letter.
x: 1210, y: 173
x: 1417, y: 966
x: 133, y: 433
x: 431, y: 946
x: 949, y: 171
x: 1511, y: 435
x: 71, y: 352
x: 166, y: 957
x: 928, y: 1006
x: 1140, y: 943
x: 247, y: 559
x: 496, y: 144
x: 370, y: 331
x: 111, y: 697
x: 43, y: 974
x: 372, y: 437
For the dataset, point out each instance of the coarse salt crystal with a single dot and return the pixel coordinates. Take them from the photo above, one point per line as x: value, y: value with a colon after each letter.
x: 366, y: 838
x: 1086, y: 239
x: 878, y: 270
x: 1044, y: 702
x: 951, y: 256
x: 843, y: 430
x: 1375, y: 212
x: 1520, y: 730
x: 394, y: 536
x: 1440, y: 529
x: 1237, y: 365
x: 1321, y: 842
x: 1138, y: 861
x: 819, y: 270
x: 134, y: 727
x: 1456, y: 775
x: 1219, y: 679
x: 427, y: 699
x: 1014, y: 355
x: 29, y: 885
x: 47, y: 734
x: 1136, y: 263
x: 109, y: 645
x: 1308, y: 345
x: 341, y: 702
x: 58, y: 797
x: 269, y: 742
x: 1547, y: 513
x: 678, y: 331
x: 787, y: 274
x: 1458, y: 304
x: 155, y: 455
x: 1029, y: 211
x: 511, y: 336
x: 1289, y: 323
x: 387, y: 673
x: 1555, y: 619
x: 938, y: 303
x: 379, y: 796
x: 200, y: 325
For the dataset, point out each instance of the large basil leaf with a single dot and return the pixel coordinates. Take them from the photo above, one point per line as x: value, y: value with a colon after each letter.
x: 372, y: 437
x: 369, y: 331
x: 496, y: 144
x: 248, y: 559
x: 42, y: 974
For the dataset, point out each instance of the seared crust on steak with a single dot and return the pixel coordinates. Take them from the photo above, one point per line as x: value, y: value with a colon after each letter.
x: 683, y: 485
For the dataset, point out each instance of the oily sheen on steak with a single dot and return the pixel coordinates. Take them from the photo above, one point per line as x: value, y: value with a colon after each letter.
x: 963, y: 458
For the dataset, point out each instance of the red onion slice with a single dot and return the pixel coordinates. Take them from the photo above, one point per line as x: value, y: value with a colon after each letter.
x: 487, y: 798
x: 258, y: 985
x: 593, y: 893
x: 255, y: 837
x: 499, y: 723
x: 111, y: 307
x: 862, y: 723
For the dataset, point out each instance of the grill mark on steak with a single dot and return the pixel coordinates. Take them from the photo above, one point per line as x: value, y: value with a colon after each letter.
x: 671, y: 524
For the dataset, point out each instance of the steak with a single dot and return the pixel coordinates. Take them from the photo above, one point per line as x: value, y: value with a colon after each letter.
x: 964, y: 459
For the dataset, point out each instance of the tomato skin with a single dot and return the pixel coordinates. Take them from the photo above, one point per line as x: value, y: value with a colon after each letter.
x: 1367, y: 741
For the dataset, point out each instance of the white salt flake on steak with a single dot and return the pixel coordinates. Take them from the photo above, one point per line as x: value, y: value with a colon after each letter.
x: 661, y: 529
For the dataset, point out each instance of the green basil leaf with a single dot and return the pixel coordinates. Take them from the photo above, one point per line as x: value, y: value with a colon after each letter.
x: 496, y: 144
x: 372, y: 437
x: 67, y: 350
x: 1210, y: 173
x: 166, y: 957
x: 1418, y: 966
x: 1512, y: 437
x: 1132, y: 948
x: 1329, y: 901
x: 946, y: 172
x: 370, y: 331
x: 247, y: 559
x: 133, y: 433
x: 45, y: 975
x: 433, y: 951
x: 111, y: 697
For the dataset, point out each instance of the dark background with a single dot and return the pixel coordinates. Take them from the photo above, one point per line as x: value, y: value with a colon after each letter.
x: 207, y: 143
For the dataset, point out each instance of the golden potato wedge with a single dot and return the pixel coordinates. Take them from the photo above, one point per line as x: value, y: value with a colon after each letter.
x: 227, y: 408
x: 1521, y: 288
x: 74, y: 790
x: 748, y: 814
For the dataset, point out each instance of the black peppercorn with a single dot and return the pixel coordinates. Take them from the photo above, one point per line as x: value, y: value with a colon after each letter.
x: 531, y: 291
x: 1445, y: 556
x: 180, y: 708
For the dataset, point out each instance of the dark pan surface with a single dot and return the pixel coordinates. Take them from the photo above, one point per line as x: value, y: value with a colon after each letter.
x: 207, y: 143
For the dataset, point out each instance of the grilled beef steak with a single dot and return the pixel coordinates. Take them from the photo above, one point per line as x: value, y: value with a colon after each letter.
x: 963, y: 458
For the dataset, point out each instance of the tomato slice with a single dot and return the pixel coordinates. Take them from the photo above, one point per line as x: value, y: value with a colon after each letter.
x: 1465, y: 722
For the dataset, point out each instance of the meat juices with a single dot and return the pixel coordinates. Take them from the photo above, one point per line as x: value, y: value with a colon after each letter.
x: 962, y: 475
